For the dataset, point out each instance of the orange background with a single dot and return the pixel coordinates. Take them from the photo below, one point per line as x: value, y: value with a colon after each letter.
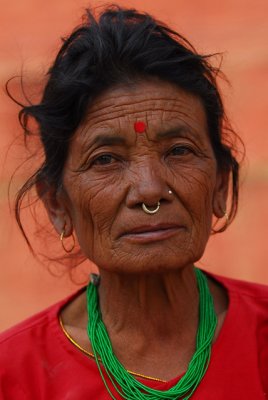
x: 30, y: 32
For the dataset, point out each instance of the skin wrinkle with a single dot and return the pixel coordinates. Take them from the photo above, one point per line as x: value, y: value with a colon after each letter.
x: 184, y: 177
x: 128, y: 105
x: 144, y: 287
x: 142, y: 299
x: 146, y: 153
x: 83, y: 167
x: 139, y: 137
x: 144, y: 115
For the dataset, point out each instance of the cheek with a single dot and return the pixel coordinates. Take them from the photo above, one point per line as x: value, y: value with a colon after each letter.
x: 195, y: 184
x: 195, y: 187
x: 93, y: 211
x: 98, y: 203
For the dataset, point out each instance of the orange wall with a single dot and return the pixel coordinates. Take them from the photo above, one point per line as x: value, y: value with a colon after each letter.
x: 30, y: 32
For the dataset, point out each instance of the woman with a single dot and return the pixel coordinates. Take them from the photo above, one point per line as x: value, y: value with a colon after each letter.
x: 138, y: 163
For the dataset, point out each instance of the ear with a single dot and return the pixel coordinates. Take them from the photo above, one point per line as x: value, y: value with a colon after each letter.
x: 221, y: 193
x: 55, y: 201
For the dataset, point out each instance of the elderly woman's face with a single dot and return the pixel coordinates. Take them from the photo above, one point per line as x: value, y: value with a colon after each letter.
x: 112, y: 170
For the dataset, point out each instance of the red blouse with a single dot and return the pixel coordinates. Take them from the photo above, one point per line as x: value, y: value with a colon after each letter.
x: 38, y: 362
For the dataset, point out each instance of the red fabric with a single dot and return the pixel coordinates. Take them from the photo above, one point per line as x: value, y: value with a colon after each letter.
x: 38, y: 362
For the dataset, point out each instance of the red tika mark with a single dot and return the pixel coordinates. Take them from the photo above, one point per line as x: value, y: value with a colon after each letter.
x: 139, y: 127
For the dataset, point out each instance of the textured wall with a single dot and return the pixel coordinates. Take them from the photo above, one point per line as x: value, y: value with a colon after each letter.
x: 30, y: 32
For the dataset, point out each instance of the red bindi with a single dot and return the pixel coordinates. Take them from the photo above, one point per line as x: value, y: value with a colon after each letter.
x: 139, y: 126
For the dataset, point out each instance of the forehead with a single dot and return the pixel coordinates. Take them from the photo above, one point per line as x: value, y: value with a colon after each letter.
x: 160, y: 105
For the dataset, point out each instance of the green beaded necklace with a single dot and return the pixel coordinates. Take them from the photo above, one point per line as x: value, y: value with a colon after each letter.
x: 124, y: 383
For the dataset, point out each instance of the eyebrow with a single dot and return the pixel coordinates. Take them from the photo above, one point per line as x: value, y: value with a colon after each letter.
x: 108, y: 140
x: 178, y: 131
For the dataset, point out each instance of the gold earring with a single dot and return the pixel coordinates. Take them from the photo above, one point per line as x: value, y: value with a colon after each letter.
x: 62, y: 235
x: 227, y: 220
x: 224, y: 227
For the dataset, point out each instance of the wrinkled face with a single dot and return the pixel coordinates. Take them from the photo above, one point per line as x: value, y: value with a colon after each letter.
x: 112, y: 170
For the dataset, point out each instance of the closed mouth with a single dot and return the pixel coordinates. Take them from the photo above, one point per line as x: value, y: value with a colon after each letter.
x: 148, y: 233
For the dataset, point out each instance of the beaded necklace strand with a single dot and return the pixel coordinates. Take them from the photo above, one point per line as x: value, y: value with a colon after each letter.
x: 123, y: 382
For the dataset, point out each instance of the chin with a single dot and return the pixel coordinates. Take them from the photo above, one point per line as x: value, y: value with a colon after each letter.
x: 156, y: 257
x: 150, y: 263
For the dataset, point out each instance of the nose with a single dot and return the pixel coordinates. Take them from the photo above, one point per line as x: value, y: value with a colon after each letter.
x: 148, y: 185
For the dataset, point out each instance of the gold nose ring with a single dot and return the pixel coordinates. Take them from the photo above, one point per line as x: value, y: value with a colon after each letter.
x: 150, y: 211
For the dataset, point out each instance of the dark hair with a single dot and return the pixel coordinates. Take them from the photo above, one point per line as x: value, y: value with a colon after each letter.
x: 117, y: 46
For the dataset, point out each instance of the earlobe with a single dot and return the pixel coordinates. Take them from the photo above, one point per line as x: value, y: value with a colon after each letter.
x: 55, y: 202
x: 221, y: 194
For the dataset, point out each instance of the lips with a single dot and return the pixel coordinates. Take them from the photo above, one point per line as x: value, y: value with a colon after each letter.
x: 151, y: 233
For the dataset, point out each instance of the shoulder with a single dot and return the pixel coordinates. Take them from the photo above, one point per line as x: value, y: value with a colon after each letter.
x: 247, y: 307
x: 248, y: 303
x: 35, y: 357
x: 29, y: 325
x: 34, y: 326
x: 248, y: 312
x: 244, y: 289
x: 251, y: 300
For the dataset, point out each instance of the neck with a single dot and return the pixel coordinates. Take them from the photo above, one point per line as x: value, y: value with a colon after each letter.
x: 160, y: 305
x: 152, y: 321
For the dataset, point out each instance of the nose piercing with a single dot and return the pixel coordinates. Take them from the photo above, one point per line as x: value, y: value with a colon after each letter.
x: 169, y: 192
x: 150, y: 211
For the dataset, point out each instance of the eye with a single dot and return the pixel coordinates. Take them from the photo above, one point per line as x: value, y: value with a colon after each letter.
x: 104, y: 159
x: 181, y: 151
